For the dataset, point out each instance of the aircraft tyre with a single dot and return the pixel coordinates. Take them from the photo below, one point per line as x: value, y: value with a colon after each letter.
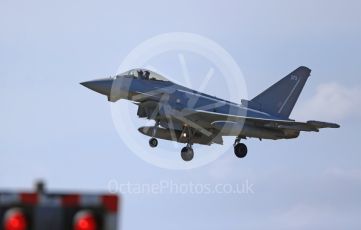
x: 153, y: 142
x: 240, y: 150
x: 187, y: 153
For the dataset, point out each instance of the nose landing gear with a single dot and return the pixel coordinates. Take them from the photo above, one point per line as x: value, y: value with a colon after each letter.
x: 153, y: 142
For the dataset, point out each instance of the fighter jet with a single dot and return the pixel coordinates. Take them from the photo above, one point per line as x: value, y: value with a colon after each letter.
x: 187, y: 116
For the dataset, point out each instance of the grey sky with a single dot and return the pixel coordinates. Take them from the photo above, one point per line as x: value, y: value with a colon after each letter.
x: 53, y: 128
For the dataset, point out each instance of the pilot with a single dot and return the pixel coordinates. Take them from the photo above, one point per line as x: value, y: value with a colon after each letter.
x: 146, y: 75
x: 140, y: 74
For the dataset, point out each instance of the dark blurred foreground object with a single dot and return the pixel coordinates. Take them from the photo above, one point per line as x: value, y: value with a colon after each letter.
x: 41, y: 210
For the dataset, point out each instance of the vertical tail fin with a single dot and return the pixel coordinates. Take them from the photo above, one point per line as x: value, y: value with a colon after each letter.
x: 280, y: 98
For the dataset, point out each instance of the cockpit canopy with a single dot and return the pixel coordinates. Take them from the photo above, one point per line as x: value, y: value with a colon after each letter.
x: 142, y: 74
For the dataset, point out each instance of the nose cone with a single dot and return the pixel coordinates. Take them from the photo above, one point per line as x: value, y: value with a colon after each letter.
x: 103, y: 86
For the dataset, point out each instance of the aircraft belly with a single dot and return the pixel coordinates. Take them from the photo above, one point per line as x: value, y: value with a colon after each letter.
x: 175, y: 135
x: 228, y: 128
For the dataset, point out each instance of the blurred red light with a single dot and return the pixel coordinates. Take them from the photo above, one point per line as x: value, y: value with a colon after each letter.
x: 15, y: 220
x: 85, y: 220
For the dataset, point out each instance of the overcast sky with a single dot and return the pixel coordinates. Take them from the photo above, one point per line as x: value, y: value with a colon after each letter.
x: 55, y: 129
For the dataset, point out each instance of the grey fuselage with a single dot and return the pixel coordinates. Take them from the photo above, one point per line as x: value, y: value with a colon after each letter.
x: 189, y: 116
x: 157, y: 99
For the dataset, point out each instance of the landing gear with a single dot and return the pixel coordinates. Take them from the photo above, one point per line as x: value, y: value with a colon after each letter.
x: 153, y: 142
x: 187, y: 153
x: 240, y: 149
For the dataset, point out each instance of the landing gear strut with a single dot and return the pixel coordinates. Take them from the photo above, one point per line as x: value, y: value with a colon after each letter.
x: 153, y: 142
x: 240, y: 149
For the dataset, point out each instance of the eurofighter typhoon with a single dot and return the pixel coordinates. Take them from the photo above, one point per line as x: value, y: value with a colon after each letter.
x: 191, y: 117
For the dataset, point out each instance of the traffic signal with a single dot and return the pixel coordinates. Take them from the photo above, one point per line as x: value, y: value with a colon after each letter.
x: 58, y: 211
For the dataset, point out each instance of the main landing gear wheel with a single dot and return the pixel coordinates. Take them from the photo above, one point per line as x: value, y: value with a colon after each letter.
x: 153, y: 142
x: 240, y: 150
x: 187, y: 153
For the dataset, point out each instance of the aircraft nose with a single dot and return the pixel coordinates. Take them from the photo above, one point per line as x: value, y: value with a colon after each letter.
x: 103, y: 86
